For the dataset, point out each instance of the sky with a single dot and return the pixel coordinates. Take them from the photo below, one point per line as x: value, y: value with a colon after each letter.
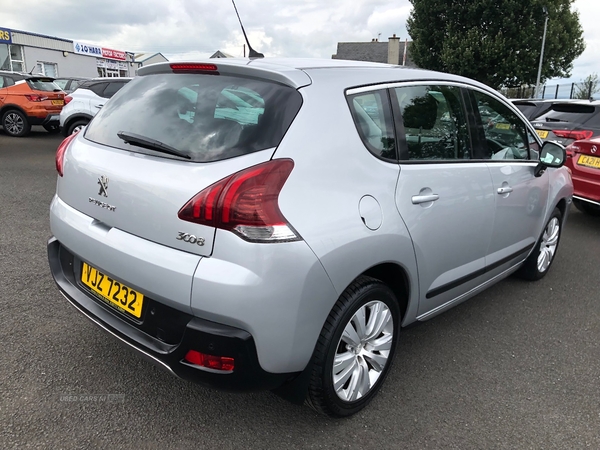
x: 193, y: 29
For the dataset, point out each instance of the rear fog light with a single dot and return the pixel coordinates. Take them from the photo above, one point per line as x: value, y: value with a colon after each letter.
x: 222, y: 363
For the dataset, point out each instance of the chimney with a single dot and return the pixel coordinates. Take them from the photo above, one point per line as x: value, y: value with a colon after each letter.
x: 394, y: 50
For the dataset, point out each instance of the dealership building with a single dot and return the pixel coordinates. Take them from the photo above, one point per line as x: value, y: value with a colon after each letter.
x: 22, y: 51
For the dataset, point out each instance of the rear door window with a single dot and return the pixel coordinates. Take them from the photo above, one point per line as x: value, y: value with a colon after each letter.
x: 113, y: 88
x: 208, y: 117
x: 434, y: 122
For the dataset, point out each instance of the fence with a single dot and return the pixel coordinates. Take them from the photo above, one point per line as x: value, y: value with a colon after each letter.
x: 583, y: 91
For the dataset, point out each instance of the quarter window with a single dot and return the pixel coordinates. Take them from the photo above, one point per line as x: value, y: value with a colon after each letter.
x: 505, y: 133
x: 373, y: 119
x: 434, y: 122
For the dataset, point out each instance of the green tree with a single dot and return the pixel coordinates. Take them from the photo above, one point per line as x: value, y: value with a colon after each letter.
x: 497, y: 42
x: 587, y: 87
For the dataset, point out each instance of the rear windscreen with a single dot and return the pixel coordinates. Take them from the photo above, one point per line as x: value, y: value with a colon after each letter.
x: 566, y: 112
x: 43, y: 84
x: 208, y: 117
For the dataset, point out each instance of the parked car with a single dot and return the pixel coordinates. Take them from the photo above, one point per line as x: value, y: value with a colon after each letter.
x: 566, y: 122
x: 288, y: 254
x: 83, y: 104
x: 532, y: 108
x: 69, y: 84
x: 27, y: 100
x: 583, y: 158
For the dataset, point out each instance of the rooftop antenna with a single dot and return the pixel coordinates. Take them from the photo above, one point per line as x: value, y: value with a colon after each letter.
x: 251, y: 52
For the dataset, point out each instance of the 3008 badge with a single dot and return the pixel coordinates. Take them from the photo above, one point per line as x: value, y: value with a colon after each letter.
x: 186, y: 237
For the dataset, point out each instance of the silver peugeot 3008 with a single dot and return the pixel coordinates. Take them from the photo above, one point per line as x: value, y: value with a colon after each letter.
x: 274, y: 224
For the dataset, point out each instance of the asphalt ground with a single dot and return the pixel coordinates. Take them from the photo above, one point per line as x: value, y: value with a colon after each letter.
x: 517, y: 367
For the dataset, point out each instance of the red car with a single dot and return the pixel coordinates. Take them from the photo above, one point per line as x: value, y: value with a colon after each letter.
x: 583, y: 158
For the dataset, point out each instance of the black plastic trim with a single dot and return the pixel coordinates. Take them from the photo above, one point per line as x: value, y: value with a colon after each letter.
x: 454, y: 284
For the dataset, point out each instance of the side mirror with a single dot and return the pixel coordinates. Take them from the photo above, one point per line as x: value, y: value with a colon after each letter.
x: 553, y: 154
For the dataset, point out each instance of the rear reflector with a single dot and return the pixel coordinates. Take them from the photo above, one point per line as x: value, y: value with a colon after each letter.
x: 245, y: 203
x: 193, y: 67
x: 574, y: 134
x: 60, y: 153
x: 223, y: 363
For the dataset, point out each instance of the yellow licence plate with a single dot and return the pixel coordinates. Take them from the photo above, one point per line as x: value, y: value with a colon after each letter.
x: 117, y: 294
x: 542, y: 133
x: 503, y: 126
x: 58, y: 102
x: 589, y: 161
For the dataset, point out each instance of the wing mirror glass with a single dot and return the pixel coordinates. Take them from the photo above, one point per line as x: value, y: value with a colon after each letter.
x: 553, y: 154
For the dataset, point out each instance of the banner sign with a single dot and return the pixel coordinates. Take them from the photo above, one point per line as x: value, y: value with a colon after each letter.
x: 86, y: 49
x: 114, y: 54
x: 5, y: 36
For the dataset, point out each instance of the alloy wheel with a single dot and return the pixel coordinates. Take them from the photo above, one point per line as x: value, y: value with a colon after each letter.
x: 548, y: 244
x: 363, y: 351
x: 13, y: 123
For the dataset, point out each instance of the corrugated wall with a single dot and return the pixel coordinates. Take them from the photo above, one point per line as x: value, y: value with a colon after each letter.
x: 43, y: 42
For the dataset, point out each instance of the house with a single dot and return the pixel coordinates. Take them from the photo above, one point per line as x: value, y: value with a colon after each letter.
x: 392, y: 52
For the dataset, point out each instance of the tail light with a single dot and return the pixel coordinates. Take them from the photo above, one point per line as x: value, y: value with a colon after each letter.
x: 68, y: 98
x: 245, y: 203
x: 35, y: 97
x: 60, y: 153
x: 574, y: 134
x: 570, y: 149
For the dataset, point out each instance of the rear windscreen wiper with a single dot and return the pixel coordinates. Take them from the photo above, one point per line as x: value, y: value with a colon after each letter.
x: 550, y: 119
x: 151, y: 144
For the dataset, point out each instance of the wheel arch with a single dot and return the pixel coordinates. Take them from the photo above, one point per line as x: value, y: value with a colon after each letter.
x: 10, y: 107
x: 396, y: 278
x: 80, y: 116
x: 562, y: 206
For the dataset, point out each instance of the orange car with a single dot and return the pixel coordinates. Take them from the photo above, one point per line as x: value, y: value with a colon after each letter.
x: 27, y: 100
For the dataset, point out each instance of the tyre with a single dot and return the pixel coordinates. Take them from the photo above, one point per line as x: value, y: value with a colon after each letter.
x: 587, y: 208
x: 541, y: 258
x: 52, y: 128
x: 76, y: 126
x: 15, y: 123
x: 355, y: 349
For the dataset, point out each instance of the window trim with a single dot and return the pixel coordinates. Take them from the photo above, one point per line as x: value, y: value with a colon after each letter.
x: 463, y: 85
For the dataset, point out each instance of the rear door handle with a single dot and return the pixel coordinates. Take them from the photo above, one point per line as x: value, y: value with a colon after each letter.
x: 417, y: 199
x: 505, y: 190
x: 99, y: 106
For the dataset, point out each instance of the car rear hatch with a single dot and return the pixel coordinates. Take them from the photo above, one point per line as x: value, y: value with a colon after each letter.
x: 568, y: 122
x: 46, y: 92
x: 168, y: 135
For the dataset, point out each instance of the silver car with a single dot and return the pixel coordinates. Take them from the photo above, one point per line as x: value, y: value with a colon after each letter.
x: 285, y: 247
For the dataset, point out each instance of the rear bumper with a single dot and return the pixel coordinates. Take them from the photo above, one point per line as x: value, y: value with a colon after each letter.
x: 195, y: 334
x: 48, y: 120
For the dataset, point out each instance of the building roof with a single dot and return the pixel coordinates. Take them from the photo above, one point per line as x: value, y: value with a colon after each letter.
x: 220, y: 54
x: 373, y: 51
x: 141, y: 57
